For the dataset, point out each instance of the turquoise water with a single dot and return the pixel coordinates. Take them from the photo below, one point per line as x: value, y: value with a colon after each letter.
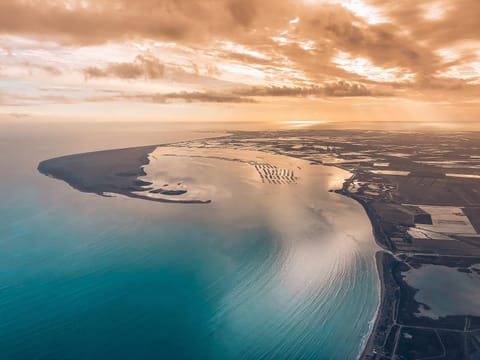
x: 258, y: 274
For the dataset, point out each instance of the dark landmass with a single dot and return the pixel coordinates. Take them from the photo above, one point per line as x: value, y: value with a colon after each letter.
x: 110, y: 171
x: 168, y: 192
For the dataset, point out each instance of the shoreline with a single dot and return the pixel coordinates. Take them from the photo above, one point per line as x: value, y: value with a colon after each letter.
x: 115, y: 171
x: 389, y: 324
x: 391, y: 210
x: 368, y: 346
x: 380, y: 239
x: 86, y: 172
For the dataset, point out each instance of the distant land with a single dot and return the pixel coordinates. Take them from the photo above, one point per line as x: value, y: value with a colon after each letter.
x: 421, y: 192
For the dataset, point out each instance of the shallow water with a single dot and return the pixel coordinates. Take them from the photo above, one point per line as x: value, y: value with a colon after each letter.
x: 445, y: 290
x: 264, y: 271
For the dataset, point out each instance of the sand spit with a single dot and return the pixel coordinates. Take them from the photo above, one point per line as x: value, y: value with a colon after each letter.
x: 108, y: 172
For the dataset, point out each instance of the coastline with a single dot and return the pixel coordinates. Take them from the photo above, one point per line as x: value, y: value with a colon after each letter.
x: 114, y: 171
x: 368, y: 346
x: 378, y: 234
x: 86, y: 172
x: 380, y: 257
x: 395, y: 315
x: 394, y: 318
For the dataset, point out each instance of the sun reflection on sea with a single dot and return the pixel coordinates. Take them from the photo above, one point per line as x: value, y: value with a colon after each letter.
x: 303, y: 123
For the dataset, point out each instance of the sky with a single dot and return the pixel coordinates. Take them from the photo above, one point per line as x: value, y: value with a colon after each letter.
x: 303, y: 61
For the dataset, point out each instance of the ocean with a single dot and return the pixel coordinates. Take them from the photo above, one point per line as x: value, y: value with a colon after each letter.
x: 263, y: 272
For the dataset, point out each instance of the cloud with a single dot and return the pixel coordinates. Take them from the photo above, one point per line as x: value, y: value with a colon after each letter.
x: 189, y: 97
x: 334, y: 89
x: 148, y: 67
x: 15, y: 99
x: 296, y: 91
x: 245, y: 95
x: 143, y: 66
x: 173, y: 97
x: 253, y: 22
x: 407, y: 40
x: 49, y: 69
x: 98, y: 21
x: 346, y: 88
